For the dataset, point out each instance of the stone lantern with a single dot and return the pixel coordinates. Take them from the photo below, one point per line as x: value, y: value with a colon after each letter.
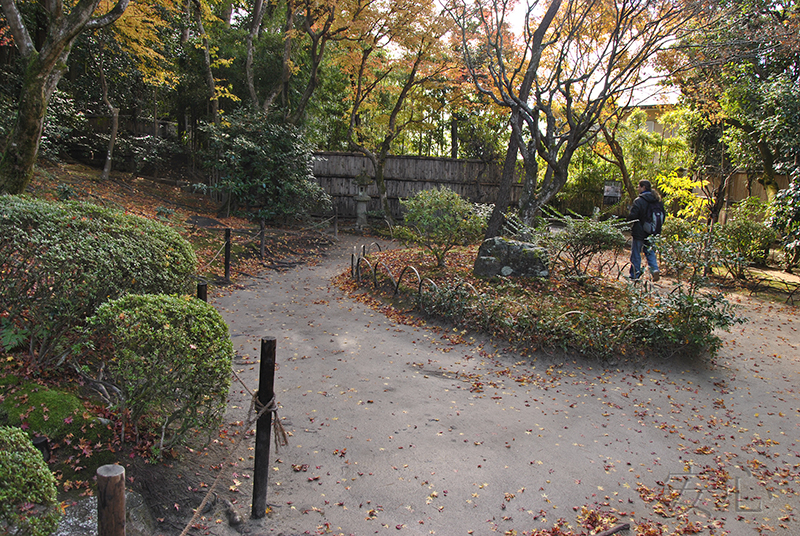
x: 362, y: 199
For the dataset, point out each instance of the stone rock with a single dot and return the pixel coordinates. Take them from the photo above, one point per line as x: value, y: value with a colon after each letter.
x: 80, y: 519
x: 500, y: 256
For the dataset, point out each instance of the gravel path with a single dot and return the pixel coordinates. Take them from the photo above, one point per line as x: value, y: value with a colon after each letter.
x: 399, y: 430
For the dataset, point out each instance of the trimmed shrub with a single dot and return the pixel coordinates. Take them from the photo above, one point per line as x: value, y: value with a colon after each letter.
x: 680, y: 321
x: 60, y: 261
x: 170, y: 361
x: 686, y: 318
x: 439, y: 220
x: 28, y: 497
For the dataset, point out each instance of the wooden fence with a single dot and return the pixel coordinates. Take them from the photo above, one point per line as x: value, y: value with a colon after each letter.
x: 405, y: 176
x: 741, y: 187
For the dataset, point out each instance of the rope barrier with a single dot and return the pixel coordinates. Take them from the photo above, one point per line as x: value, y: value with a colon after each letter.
x: 279, y: 433
x: 254, y: 236
x: 317, y: 226
x: 254, y: 413
x: 206, y: 265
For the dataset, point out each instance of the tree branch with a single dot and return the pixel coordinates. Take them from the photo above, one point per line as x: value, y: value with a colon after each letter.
x: 110, y: 17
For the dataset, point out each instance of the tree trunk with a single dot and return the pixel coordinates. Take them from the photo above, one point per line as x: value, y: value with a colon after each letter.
x: 111, y: 141
x: 16, y: 166
x: 767, y: 179
x: 380, y: 182
x: 555, y: 178
x: 210, y: 84
x: 114, y: 119
x: 717, y: 196
x: 619, y: 161
x: 316, y: 52
x: 43, y: 70
x: 286, y: 70
x: 454, y: 137
x: 503, y: 201
x: 258, y: 15
x: 528, y: 208
x: 319, y: 39
x: 378, y: 164
x: 155, y: 112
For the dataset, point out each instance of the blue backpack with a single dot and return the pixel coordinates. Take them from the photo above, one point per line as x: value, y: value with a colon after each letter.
x: 653, y: 218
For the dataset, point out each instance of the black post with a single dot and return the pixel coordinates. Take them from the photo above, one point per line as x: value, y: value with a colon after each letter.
x: 202, y: 291
x: 227, y: 254
x: 266, y: 388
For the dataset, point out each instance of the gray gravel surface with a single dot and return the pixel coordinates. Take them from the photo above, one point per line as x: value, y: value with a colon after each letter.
x: 397, y: 430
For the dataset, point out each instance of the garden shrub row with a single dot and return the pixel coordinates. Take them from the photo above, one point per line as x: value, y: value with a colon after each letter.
x: 170, y: 359
x: 597, y: 315
x: 105, y: 293
x: 60, y: 261
x: 658, y: 324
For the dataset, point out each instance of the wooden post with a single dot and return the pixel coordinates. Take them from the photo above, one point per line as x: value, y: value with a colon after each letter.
x: 43, y: 445
x: 227, y: 254
x: 202, y: 291
x: 111, y: 500
x: 266, y: 388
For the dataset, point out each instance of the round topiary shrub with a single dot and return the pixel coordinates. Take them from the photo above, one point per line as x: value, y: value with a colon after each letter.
x: 28, y: 497
x: 439, y: 220
x: 61, y: 260
x: 170, y: 360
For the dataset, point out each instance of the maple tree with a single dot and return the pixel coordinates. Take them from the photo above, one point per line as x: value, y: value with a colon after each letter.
x: 573, y: 62
x: 44, y: 67
x: 392, y: 52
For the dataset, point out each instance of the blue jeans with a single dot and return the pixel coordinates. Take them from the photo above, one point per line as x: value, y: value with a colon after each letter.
x: 636, y: 258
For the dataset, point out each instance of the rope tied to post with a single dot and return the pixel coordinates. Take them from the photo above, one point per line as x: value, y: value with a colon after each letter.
x: 279, y: 433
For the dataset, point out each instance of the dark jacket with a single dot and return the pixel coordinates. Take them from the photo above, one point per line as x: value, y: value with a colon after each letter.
x: 638, y: 213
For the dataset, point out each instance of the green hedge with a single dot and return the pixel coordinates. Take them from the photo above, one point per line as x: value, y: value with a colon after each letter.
x: 60, y: 261
x: 171, y: 361
x: 28, y: 496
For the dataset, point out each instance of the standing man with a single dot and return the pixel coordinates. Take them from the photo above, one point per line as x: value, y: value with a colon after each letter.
x: 639, y: 213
